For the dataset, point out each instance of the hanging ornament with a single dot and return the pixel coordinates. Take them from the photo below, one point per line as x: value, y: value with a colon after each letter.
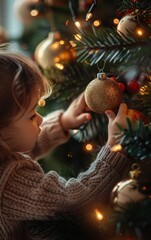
x: 133, y: 87
x: 129, y: 191
x: 28, y: 10
x: 54, y: 51
x: 3, y: 35
x: 134, y: 25
x: 102, y: 94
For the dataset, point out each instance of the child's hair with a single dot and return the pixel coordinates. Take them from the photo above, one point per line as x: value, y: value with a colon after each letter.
x: 19, y: 79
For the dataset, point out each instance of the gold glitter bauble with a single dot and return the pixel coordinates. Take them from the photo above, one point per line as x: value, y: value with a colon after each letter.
x: 54, y: 51
x: 103, y: 94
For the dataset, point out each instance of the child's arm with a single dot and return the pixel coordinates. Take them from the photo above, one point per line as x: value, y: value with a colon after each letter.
x: 36, y: 195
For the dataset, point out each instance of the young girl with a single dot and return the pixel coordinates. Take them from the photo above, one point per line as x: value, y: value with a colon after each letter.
x: 26, y: 192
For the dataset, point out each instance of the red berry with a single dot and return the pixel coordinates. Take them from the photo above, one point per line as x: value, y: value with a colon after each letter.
x: 122, y: 86
x: 133, y: 87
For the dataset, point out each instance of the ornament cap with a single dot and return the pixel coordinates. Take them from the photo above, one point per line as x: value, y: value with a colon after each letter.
x: 101, y: 75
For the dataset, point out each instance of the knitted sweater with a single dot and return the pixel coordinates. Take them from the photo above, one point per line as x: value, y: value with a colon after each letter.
x: 27, y: 193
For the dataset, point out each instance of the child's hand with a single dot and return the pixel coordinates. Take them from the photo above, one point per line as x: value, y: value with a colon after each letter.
x: 76, y: 114
x: 120, y: 118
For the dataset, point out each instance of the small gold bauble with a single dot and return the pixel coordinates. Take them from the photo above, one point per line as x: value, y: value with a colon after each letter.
x: 103, y: 94
x: 54, y: 51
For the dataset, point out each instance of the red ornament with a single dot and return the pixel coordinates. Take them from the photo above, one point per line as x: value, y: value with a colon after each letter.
x: 138, y: 115
x: 122, y: 86
x: 133, y: 87
x: 114, y: 78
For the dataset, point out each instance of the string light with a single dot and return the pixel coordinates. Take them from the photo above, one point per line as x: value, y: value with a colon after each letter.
x: 99, y: 215
x: 73, y: 44
x: 143, y: 89
x: 89, y: 15
x: 116, y: 148
x: 140, y: 32
x: 97, y: 23
x: 62, y: 42
x: 88, y: 147
x: 78, y: 25
x: 116, y: 21
x: 34, y: 13
x: 59, y: 66
x: 77, y: 37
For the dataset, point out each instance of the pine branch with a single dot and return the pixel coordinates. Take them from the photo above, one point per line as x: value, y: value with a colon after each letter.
x: 139, y: 5
x: 96, y: 126
x: 137, y: 140
x: 106, y: 43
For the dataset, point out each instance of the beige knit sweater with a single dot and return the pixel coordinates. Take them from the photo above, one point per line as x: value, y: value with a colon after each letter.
x: 27, y: 193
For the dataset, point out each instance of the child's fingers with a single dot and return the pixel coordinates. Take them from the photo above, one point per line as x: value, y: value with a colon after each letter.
x: 110, y: 114
x: 82, y: 118
x: 130, y: 114
x: 122, y: 109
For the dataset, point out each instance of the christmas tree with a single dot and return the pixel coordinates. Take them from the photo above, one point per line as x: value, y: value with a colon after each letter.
x: 108, y: 42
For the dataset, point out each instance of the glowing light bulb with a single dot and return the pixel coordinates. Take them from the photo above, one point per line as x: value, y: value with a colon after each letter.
x: 34, y: 13
x: 116, y: 148
x: 97, y: 23
x: 140, y: 32
x: 75, y: 131
x: 77, y: 37
x: 116, y: 21
x: 142, y: 90
x: 73, y: 44
x: 89, y: 16
x: 59, y: 66
x: 89, y: 147
x: 78, y: 25
x: 99, y: 215
x: 62, y: 42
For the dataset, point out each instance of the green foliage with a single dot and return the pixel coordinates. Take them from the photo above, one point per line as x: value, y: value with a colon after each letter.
x: 129, y: 4
x: 106, y: 44
x: 134, y: 220
x: 136, y: 140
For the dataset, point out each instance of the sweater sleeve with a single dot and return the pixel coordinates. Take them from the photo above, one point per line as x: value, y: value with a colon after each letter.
x: 51, y: 135
x: 30, y: 194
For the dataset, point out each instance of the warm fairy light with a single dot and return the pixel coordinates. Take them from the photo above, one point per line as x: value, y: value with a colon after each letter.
x: 116, y: 148
x: 34, y: 13
x: 88, y: 147
x: 57, y: 59
x: 77, y: 37
x: 59, y: 66
x: 75, y: 131
x: 78, y: 25
x: 99, y: 215
x: 97, y: 23
x: 142, y: 90
x: 62, y: 42
x: 73, y: 44
x: 116, y: 21
x: 55, y: 45
x: 89, y: 16
x: 139, y: 32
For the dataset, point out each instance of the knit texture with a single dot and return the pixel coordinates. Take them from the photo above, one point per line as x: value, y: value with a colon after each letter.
x: 27, y: 193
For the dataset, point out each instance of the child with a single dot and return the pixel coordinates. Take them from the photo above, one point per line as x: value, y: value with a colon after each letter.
x: 27, y: 193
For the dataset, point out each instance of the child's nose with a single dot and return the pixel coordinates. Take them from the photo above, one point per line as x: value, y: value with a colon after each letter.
x: 40, y: 119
